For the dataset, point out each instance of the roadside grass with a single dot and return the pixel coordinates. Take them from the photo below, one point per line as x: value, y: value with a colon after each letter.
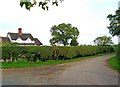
x: 114, y: 62
x: 49, y: 62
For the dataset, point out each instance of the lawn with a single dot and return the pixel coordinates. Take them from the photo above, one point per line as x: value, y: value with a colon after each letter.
x: 115, y: 63
x: 39, y: 64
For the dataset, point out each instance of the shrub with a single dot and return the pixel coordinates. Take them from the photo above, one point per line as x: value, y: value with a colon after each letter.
x: 44, y: 53
x: 118, y: 53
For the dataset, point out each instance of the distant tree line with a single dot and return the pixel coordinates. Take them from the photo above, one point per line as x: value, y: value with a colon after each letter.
x: 103, y: 41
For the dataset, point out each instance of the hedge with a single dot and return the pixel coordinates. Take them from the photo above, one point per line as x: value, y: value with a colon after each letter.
x: 43, y: 53
x: 118, y: 52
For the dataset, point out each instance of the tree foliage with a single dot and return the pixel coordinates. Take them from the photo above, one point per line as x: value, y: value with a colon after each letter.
x: 74, y: 42
x: 114, y: 26
x: 42, y: 3
x: 63, y: 33
x: 103, y: 41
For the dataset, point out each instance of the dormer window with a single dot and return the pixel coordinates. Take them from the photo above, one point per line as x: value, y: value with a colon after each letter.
x: 19, y: 40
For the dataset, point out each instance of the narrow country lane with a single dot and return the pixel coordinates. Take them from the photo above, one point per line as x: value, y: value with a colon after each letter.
x: 90, y: 72
x: 94, y: 71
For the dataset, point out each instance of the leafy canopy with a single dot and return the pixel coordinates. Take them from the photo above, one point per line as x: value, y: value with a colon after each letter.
x: 74, y: 42
x: 62, y: 33
x: 103, y: 41
x: 114, y: 26
x: 42, y: 3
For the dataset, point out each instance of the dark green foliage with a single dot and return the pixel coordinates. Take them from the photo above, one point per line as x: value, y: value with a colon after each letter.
x: 74, y: 42
x: 12, y: 53
x: 42, y: 4
x: 28, y: 5
x: 114, y: 26
x: 118, y: 52
x: 114, y: 29
x: 62, y: 33
x: 45, y: 53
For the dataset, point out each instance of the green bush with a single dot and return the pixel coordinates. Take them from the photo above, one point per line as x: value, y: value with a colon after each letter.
x: 67, y: 52
x: 118, y: 53
x: 87, y: 50
x: 43, y: 53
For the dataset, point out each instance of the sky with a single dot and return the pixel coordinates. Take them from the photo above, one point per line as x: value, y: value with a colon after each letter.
x: 89, y: 16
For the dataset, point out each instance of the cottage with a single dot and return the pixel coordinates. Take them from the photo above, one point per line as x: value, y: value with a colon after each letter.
x: 21, y: 38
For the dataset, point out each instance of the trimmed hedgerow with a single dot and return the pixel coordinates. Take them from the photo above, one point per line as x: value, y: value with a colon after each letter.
x: 12, y: 53
x: 118, y: 53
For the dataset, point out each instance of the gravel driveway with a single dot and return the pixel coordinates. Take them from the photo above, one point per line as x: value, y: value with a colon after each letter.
x: 94, y: 71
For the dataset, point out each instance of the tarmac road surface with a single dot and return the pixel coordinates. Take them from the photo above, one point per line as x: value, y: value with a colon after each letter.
x: 93, y: 71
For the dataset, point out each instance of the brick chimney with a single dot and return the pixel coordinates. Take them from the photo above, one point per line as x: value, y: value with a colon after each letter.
x: 20, y: 31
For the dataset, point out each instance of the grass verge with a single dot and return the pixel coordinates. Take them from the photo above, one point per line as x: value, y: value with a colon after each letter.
x: 49, y: 62
x: 114, y: 63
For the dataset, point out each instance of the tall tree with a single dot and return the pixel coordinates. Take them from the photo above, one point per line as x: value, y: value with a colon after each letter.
x: 42, y: 3
x: 114, y: 26
x: 103, y: 41
x: 63, y: 33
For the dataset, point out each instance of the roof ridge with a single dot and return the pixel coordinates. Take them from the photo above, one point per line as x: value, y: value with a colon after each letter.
x: 10, y: 32
x: 17, y: 33
x: 27, y: 33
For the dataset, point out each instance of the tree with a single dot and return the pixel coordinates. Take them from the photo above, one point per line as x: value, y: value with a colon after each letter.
x: 74, y: 42
x: 42, y: 4
x: 103, y: 41
x: 62, y: 33
x: 114, y: 26
x: 114, y: 29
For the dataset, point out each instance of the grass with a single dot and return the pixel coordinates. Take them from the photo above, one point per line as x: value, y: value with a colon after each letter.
x: 114, y: 63
x: 49, y: 62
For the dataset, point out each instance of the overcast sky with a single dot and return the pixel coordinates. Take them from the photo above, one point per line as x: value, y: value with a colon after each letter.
x: 89, y: 16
